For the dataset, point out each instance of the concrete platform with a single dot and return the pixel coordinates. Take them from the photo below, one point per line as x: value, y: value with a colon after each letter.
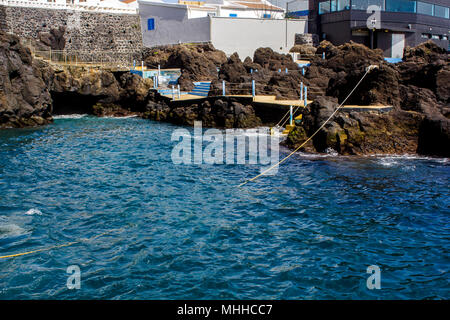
x: 379, y: 108
x: 256, y: 99
x: 272, y: 100
x: 185, y: 97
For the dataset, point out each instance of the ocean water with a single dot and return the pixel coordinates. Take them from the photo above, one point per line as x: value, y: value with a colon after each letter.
x: 151, y: 229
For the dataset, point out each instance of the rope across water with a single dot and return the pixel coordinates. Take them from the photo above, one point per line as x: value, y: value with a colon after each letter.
x: 312, y: 136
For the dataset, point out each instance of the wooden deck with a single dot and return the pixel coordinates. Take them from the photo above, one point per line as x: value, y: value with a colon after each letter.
x: 256, y: 99
x: 381, y: 108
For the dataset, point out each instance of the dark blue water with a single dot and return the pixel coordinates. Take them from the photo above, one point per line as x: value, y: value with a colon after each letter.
x: 187, y: 231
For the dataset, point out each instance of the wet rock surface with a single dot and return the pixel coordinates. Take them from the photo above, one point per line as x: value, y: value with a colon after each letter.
x: 24, y: 98
x: 418, y: 89
x: 219, y: 112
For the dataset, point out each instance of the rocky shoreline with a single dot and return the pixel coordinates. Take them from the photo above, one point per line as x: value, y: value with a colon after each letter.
x: 418, y: 89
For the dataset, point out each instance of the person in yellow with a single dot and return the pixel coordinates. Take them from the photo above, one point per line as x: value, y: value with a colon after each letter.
x: 298, y: 119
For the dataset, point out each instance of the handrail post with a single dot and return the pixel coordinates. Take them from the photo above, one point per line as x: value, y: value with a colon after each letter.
x: 301, y: 91
x: 306, y: 96
x: 290, y: 115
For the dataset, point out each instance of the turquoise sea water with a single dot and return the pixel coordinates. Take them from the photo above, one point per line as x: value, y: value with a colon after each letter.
x: 188, y: 231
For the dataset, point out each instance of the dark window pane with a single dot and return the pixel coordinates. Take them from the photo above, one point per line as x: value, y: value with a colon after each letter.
x: 425, y: 8
x: 441, y: 12
x: 364, y: 4
x: 324, y: 7
x: 401, y: 5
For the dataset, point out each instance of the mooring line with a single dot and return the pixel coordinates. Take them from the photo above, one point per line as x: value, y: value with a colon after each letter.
x: 293, y: 113
x: 58, y: 246
x: 369, y: 68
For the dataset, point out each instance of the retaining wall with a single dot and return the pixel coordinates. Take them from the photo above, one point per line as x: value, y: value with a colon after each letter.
x: 85, y: 31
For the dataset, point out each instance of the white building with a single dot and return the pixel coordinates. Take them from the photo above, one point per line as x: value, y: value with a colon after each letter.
x: 229, y: 8
x: 239, y: 26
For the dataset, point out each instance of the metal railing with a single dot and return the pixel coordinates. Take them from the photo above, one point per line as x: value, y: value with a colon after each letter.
x: 81, y: 58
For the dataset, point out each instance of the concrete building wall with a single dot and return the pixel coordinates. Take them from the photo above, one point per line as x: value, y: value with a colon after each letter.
x: 193, y: 13
x: 244, y: 36
x: 171, y: 25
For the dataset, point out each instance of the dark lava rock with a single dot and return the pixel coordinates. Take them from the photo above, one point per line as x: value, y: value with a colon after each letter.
x: 214, y: 112
x: 233, y: 69
x: 273, y: 61
x: 357, y: 133
x: 197, y: 62
x: 24, y: 98
x: 250, y: 66
x: 52, y: 40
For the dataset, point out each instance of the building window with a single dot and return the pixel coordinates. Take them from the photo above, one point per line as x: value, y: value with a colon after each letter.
x: 333, y: 5
x: 435, y: 36
x: 425, y: 8
x: 151, y: 24
x: 401, y: 6
x: 324, y: 7
x: 441, y: 12
x: 364, y: 4
x: 343, y: 5
x: 233, y: 15
x: 425, y: 36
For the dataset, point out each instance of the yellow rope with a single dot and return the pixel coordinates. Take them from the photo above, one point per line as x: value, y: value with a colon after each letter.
x: 282, y: 118
x: 309, y: 138
x: 57, y: 246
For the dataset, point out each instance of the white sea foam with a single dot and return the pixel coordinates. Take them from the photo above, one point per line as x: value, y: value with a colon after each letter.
x: 70, y: 116
x: 124, y: 117
x: 398, y: 159
x: 33, y: 212
x: 10, y: 230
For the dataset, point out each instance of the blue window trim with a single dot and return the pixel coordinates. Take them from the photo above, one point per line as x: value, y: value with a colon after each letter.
x: 151, y: 24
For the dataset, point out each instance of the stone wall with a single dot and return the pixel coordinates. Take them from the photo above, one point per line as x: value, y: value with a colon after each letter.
x: 307, y: 38
x: 3, y: 26
x: 84, y: 31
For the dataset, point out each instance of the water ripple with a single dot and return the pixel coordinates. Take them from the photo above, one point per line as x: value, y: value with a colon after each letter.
x: 187, y: 231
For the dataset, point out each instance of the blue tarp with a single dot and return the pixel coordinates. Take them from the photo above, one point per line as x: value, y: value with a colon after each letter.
x: 393, y: 60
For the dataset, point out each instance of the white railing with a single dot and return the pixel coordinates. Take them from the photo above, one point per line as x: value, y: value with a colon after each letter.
x: 62, y: 5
